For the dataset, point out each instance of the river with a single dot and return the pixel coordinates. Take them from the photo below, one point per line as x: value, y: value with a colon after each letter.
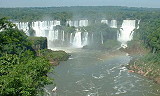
x: 98, y: 73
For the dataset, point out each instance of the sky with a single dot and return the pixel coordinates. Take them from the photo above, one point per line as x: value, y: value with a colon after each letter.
x: 58, y: 3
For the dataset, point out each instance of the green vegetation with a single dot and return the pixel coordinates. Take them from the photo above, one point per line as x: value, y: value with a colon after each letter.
x: 102, y: 32
x: 91, y: 12
x: 22, y: 71
x: 111, y: 44
x: 54, y: 55
x: 148, y: 37
x: 38, y: 42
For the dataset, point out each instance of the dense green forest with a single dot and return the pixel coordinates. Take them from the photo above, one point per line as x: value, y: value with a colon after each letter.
x: 89, y: 12
x: 24, y: 62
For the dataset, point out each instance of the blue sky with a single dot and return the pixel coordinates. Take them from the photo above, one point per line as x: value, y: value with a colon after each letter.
x: 51, y: 3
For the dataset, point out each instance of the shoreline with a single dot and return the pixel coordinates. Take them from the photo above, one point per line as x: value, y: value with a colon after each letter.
x: 138, y: 66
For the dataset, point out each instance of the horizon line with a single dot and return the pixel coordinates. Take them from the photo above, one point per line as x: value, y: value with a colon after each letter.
x: 82, y: 6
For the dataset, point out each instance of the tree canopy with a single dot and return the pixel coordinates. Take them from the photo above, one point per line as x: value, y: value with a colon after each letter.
x: 22, y: 73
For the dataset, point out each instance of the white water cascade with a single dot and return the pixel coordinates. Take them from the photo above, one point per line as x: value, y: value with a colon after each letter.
x: 104, y: 21
x: 101, y: 37
x: 113, y: 24
x: 70, y: 23
x: 85, y: 39
x: 126, y: 32
x: 83, y: 23
x: 77, y: 41
x: 71, y: 38
x: 138, y: 24
x: 46, y: 29
x: 51, y: 36
x: 23, y: 26
x: 78, y: 23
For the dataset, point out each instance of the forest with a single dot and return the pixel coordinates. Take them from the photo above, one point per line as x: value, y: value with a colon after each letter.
x: 24, y: 62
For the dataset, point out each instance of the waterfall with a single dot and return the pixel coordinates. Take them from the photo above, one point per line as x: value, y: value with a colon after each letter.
x: 63, y: 36
x: 85, y: 39
x: 126, y: 31
x: 101, y: 37
x: 104, y: 21
x: 56, y: 35
x: 23, y: 26
x: 79, y: 39
x: 113, y: 24
x: 71, y: 40
x: 83, y: 23
x: 51, y: 36
x: 76, y: 24
x: 70, y: 23
x: 41, y: 27
x: 56, y: 22
x: 138, y: 24
x: 92, y: 38
x: 77, y: 42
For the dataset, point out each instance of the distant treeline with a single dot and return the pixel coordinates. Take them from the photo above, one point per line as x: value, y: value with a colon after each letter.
x: 89, y: 12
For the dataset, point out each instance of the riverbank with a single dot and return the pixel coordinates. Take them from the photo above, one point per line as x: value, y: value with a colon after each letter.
x: 143, y: 62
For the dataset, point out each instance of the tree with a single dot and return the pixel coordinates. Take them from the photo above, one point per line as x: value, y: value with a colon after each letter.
x: 22, y: 73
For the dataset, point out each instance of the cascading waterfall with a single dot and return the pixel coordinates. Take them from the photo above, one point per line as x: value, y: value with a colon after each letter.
x: 113, y: 24
x: 78, y: 39
x: 46, y: 29
x: 77, y: 42
x: 70, y: 23
x: 101, y: 37
x: 126, y: 32
x: 92, y: 37
x: 104, y: 21
x: 85, y: 39
x: 71, y: 38
x: 51, y: 35
x: 138, y: 24
x: 55, y: 34
x: 56, y: 22
x: 76, y: 24
x: 23, y: 26
x: 83, y: 23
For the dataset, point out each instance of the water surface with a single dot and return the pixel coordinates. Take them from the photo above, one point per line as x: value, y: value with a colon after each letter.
x: 97, y: 73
